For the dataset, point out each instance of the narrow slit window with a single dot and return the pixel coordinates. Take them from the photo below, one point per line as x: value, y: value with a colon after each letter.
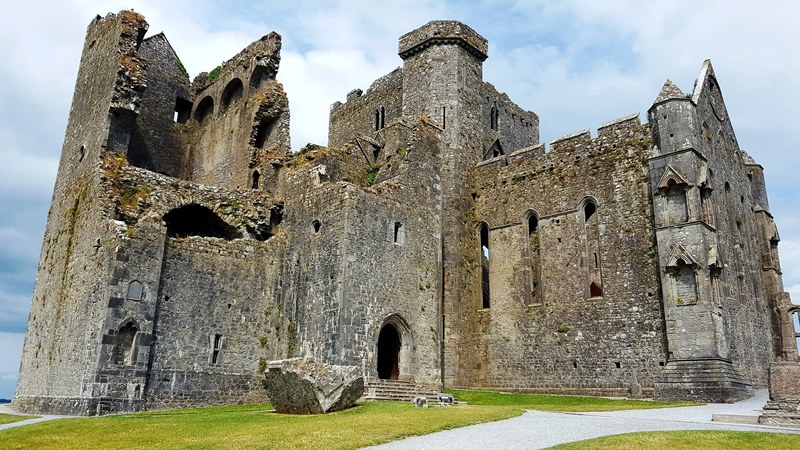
x: 535, y: 260
x: 399, y: 234
x: 216, y: 349
x: 591, y: 236
x: 485, y: 258
x: 256, y: 179
x: 588, y: 211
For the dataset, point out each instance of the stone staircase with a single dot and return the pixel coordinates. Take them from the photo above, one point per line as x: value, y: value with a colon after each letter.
x: 395, y: 391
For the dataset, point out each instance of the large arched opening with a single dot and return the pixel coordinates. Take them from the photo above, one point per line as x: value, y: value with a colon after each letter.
x: 389, y: 344
x: 197, y: 220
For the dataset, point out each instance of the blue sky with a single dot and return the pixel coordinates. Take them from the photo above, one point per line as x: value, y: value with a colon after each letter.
x: 577, y: 64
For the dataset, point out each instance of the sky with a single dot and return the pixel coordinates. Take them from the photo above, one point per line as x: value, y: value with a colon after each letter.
x: 577, y: 64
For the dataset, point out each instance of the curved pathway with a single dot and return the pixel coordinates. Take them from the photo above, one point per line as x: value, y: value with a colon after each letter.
x: 6, y: 409
x: 541, y: 429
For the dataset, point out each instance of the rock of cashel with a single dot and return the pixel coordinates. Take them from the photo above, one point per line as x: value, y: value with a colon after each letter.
x: 433, y: 243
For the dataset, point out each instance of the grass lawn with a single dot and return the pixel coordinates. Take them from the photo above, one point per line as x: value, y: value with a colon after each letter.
x: 11, y: 418
x: 559, y: 402
x: 689, y: 440
x: 249, y: 427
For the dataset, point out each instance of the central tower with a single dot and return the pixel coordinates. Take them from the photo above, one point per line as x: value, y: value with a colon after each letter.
x: 442, y: 79
x: 443, y: 74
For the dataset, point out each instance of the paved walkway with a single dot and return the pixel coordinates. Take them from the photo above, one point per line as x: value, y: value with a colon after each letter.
x: 5, y: 408
x: 539, y: 429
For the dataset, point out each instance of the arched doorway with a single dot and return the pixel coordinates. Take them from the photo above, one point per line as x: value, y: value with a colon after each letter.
x: 389, y: 353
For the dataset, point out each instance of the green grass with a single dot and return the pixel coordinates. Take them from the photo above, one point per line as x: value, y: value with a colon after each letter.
x: 11, y: 418
x: 559, y: 402
x: 249, y: 427
x: 689, y: 440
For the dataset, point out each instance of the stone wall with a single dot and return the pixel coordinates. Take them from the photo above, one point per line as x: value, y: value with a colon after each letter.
x: 345, y: 236
x: 512, y: 128
x: 156, y: 142
x: 59, y: 360
x: 240, y: 121
x: 367, y: 113
x: 566, y: 339
x: 697, y: 160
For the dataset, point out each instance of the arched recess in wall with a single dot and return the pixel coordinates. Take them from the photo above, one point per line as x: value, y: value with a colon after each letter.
x: 262, y: 131
x: 259, y: 77
x: 685, y: 283
x: 395, y: 349
x: 232, y: 92
x: 485, y: 258
x: 706, y: 201
x: 591, y: 238
x: 204, y: 109
x: 672, y: 188
x: 681, y: 268
x: 197, y: 220
x: 255, y: 179
x: 531, y: 219
x: 125, y: 348
x: 135, y: 290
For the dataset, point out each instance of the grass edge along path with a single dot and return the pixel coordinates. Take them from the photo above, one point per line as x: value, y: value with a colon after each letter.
x: 689, y: 440
x: 11, y: 418
x: 561, y: 403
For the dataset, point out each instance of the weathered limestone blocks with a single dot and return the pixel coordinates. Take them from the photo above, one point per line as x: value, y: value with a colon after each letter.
x: 783, y: 407
x: 305, y: 386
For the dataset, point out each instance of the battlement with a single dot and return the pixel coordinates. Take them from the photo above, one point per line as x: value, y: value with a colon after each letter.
x: 574, y: 147
x: 443, y: 32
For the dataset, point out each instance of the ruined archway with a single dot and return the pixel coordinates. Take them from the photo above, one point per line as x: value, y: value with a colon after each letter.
x: 197, y: 220
x: 389, y: 353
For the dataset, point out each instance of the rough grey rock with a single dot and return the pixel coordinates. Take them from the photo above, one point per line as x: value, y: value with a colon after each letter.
x: 305, y: 386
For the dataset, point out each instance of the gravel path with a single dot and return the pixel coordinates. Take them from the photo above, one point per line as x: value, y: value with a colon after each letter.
x: 540, y: 429
x: 6, y: 409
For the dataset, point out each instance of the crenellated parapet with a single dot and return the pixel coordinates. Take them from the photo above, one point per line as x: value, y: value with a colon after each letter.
x: 443, y: 32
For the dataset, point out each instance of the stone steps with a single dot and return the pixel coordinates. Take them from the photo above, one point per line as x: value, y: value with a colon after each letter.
x: 395, y: 391
x: 736, y: 418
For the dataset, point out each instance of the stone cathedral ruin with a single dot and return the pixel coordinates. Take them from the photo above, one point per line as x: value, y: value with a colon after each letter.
x: 433, y: 243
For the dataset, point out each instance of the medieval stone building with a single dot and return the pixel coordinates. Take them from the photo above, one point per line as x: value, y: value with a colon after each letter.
x: 434, y: 242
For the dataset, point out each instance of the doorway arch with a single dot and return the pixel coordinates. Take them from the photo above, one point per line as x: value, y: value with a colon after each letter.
x: 395, y: 353
x: 389, y: 344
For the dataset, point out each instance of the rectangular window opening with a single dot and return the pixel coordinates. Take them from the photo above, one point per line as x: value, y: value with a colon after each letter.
x: 183, y: 110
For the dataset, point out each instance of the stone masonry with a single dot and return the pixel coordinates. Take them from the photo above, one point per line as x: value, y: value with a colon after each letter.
x: 433, y: 243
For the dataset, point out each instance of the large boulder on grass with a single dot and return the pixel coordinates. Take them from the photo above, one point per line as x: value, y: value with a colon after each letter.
x: 305, y: 386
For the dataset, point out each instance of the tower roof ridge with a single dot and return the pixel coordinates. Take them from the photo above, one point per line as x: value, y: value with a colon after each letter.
x: 669, y: 92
